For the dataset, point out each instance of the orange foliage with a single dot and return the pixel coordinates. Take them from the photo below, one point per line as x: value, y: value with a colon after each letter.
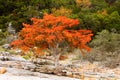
x: 83, y: 3
x: 49, y: 31
x: 61, y: 12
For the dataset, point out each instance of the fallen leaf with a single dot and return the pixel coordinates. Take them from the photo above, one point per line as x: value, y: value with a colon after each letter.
x: 2, y: 70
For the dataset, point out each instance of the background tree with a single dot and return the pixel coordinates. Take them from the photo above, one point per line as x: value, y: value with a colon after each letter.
x: 19, y: 11
x: 61, y: 12
x: 110, y: 2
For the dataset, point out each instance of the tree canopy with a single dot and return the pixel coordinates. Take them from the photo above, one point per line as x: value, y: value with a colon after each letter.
x: 52, y: 32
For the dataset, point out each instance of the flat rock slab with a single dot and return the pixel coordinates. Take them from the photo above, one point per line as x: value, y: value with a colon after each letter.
x: 20, y: 74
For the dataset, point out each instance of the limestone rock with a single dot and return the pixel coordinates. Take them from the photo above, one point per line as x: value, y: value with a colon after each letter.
x: 6, y: 46
x: 3, y: 53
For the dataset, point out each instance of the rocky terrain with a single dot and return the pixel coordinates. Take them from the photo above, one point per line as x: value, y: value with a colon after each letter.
x: 14, y: 67
x: 20, y: 74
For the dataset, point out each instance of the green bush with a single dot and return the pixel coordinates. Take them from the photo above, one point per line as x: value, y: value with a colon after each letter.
x: 2, y: 37
x: 106, y: 41
x: 106, y: 48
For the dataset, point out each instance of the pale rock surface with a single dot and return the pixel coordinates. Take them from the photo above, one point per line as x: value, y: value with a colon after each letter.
x: 20, y: 74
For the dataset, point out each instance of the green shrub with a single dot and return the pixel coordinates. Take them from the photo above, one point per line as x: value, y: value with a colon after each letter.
x: 106, y: 48
x: 28, y: 55
x: 106, y: 41
x: 2, y: 37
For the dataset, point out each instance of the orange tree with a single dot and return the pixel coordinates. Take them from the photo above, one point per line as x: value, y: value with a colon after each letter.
x: 54, y: 34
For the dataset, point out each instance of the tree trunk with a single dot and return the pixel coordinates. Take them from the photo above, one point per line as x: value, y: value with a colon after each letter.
x: 56, y: 56
x: 56, y: 51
